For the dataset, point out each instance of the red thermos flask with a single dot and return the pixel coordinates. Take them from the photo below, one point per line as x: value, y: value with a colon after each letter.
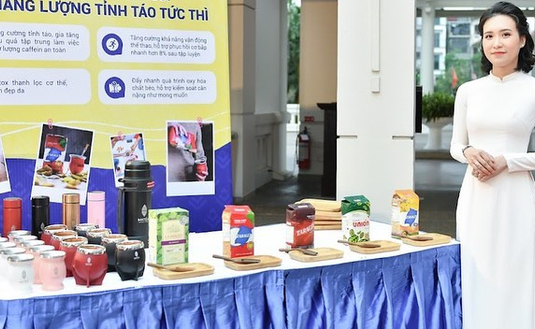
x: 12, y: 214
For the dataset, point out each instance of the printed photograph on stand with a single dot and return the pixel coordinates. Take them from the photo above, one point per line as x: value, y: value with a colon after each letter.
x: 5, y: 186
x: 190, y: 158
x: 126, y: 148
x: 63, y: 162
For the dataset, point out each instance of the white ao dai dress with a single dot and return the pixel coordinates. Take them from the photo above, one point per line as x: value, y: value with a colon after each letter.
x: 496, y: 218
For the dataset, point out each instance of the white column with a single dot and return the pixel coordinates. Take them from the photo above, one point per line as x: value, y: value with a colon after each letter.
x: 428, y: 44
x: 242, y: 52
x: 279, y: 161
x: 375, y: 100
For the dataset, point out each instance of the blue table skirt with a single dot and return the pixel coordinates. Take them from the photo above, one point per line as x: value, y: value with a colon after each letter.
x: 420, y: 290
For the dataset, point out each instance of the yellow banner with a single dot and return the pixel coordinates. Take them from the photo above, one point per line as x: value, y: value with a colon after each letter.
x: 112, y: 67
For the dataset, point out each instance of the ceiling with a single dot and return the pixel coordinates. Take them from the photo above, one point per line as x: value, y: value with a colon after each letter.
x: 473, y: 7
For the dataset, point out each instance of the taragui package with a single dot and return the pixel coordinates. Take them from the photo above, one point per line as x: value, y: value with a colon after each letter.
x: 238, y: 227
x: 300, y: 225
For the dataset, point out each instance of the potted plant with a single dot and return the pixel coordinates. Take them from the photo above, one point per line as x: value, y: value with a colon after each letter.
x: 437, y: 112
x: 437, y: 105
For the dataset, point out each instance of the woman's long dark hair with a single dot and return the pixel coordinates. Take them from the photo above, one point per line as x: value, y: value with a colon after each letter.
x: 526, y: 58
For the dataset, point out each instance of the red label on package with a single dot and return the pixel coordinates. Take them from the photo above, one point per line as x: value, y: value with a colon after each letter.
x: 300, y: 225
x: 238, y: 227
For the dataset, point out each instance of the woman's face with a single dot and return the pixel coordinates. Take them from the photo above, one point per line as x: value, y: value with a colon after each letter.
x: 501, y: 44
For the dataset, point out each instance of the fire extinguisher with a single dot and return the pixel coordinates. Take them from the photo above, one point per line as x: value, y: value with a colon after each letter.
x: 303, y: 140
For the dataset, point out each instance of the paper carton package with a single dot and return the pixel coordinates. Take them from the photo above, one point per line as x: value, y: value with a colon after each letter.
x: 238, y: 235
x: 168, y: 235
x: 300, y: 225
x: 405, y: 212
x: 356, y: 218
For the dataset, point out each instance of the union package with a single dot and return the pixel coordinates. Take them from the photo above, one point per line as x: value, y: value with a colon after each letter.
x: 356, y: 218
x: 300, y: 225
x: 405, y: 211
x: 238, y: 231
x: 168, y: 235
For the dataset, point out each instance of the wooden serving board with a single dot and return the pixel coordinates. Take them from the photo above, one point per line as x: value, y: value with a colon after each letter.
x: 327, y: 222
x: 323, y: 205
x: 326, y: 215
x: 333, y: 226
x: 385, y: 246
x: 437, y: 239
x: 265, y: 261
x: 323, y: 254
x: 199, y: 269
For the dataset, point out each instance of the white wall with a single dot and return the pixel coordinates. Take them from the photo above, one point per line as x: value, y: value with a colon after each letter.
x: 257, y: 41
x: 271, y: 77
x: 375, y: 100
x: 317, y: 71
x: 242, y: 55
x: 268, y: 56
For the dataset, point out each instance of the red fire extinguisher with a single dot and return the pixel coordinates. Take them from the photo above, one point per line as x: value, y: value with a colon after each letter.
x: 303, y: 140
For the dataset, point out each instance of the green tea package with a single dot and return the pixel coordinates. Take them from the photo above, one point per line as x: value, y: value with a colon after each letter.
x: 168, y: 235
x: 356, y: 218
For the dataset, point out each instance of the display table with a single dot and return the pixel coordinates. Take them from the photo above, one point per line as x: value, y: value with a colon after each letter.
x: 412, y: 288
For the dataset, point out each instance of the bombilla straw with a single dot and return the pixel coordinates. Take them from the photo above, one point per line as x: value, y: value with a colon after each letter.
x: 85, y: 149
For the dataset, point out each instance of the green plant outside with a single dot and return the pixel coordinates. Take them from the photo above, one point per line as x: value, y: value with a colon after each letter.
x: 294, y: 37
x: 437, y: 105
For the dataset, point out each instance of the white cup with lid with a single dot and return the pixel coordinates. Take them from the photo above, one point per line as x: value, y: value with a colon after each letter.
x: 20, y: 273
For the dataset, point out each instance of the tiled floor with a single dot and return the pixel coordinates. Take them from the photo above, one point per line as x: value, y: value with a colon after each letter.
x: 437, y: 182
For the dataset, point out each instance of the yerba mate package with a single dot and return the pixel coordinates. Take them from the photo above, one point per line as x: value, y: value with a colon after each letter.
x: 405, y: 211
x: 356, y: 218
x: 238, y: 227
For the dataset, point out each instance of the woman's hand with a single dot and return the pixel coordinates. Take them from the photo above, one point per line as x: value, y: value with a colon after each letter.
x: 500, y: 165
x: 482, y: 163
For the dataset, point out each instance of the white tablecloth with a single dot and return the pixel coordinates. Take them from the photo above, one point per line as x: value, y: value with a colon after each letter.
x: 268, y: 240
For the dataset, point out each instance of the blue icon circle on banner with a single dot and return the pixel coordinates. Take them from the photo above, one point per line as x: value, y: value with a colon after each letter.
x: 115, y: 87
x: 112, y: 44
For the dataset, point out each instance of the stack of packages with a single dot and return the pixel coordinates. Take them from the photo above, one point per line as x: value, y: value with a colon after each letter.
x: 328, y: 214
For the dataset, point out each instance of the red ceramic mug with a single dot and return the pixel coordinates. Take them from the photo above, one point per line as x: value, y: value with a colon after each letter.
x: 51, y: 229
x: 90, y: 265
x: 61, y: 235
x: 76, y: 165
x: 70, y: 246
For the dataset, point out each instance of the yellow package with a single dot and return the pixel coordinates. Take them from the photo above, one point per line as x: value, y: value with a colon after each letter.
x: 405, y: 211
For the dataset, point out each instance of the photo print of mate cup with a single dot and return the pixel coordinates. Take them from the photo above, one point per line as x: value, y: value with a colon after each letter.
x: 124, y: 148
x: 63, y: 162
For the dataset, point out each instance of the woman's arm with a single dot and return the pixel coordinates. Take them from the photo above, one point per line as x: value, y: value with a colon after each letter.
x: 459, y: 137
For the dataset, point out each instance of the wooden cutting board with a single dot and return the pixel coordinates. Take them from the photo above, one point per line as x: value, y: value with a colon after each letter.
x: 265, y: 261
x: 333, y: 226
x: 323, y: 254
x: 328, y: 215
x: 199, y: 269
x: 327, y: 222
x: 385, y: 246
x: 437, y: 239
x: 323, y: 205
